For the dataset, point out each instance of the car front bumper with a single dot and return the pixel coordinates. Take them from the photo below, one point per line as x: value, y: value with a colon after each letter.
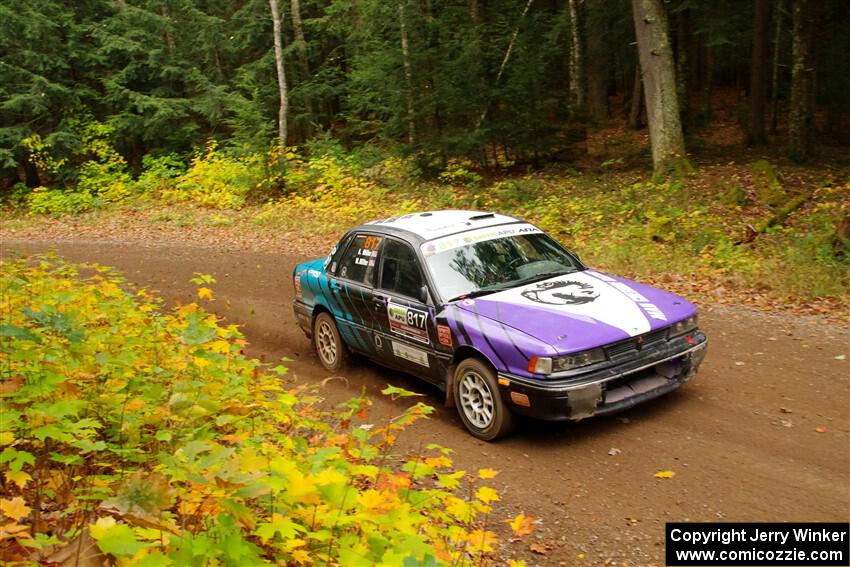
x: 615, y: 388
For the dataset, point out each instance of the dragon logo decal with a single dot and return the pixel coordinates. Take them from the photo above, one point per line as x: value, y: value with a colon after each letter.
x: 562, y: 292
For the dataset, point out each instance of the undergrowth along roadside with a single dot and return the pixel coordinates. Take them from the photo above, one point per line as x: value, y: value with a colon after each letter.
x: 146, y: 438
x: 711, y: 227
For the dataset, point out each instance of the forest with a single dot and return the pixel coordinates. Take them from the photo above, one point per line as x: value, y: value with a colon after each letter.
x: 491, y: 82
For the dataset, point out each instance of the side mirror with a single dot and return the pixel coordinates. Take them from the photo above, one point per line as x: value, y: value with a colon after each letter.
x: 423, y: 294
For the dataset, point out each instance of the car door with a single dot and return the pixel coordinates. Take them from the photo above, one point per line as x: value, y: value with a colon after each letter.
x: 350, y: 291
x: 404, y: 321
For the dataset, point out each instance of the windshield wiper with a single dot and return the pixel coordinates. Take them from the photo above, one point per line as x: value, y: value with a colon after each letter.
x: 546, y: 276
x: 507, y: 285
x: 479, y: 292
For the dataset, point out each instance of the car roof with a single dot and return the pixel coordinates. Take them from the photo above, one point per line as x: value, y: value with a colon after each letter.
x: 428, y: 225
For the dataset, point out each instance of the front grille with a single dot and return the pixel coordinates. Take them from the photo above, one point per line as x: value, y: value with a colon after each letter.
x: 632, y: 344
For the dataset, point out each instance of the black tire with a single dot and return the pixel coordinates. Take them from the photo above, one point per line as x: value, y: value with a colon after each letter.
x: 328, y: 344
x: 479, y: 402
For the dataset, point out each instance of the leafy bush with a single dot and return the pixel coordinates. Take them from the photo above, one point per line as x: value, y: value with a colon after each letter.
x: 159, y: 173
x: 44, y: 201
x: 152, y: 434
x: 105, y: 173
x: 217, y: 180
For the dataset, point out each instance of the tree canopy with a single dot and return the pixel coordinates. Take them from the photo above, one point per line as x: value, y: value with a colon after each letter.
x: 487, y: 81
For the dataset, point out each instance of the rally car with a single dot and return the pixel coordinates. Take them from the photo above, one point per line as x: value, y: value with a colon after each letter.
x: 498, y: 315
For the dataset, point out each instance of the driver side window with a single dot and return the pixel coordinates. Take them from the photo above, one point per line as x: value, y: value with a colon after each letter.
x: 400, y: 272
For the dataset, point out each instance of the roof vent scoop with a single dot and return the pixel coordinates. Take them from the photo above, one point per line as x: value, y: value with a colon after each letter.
x: 425, y: 214
x: 483, y: 216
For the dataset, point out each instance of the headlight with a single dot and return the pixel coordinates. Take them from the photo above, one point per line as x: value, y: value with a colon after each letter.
x: 683, y: 326
x: 546, y: 365
x: 578, y: 359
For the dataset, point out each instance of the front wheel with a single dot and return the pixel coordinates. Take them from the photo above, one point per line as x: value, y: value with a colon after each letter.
x: 479, y: 403
x: 328, y: 343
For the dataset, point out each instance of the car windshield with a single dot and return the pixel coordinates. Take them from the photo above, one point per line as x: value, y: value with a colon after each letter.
x: 489, y: 260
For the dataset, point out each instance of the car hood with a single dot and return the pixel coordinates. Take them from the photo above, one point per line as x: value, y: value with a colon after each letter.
x: 583, y: 310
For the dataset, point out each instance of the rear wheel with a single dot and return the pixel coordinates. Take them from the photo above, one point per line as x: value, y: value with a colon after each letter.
x: 332, y: 352
x: 479, y: 403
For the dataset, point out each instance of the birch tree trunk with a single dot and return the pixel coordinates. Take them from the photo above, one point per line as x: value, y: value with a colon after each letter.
x: 506, y: 58
x: 758, y: 66
x: 576, y: 61
x: 408, y: 78
x: 798, y: 115
x: 659, y: 82
x: 281, y: 80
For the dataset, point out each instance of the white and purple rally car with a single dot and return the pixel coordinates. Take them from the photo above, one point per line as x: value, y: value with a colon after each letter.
x: 498, y: 315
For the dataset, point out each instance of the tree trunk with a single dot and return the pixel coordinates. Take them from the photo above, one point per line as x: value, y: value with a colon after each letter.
x: 637, y: 100
x: 707, y: 76
x: 506, y: 58
x: 774, y: 88
x: 408, y: 78
x: 303, y: 60
x: 798, y: 113
x: 169, y: 37
x: 659, y: 82
x: 281, y: 80
x: 576, y: 61
x: 683, y: 35
x: 475, y: 11
x: 597, y: 62
x: 758, y: 66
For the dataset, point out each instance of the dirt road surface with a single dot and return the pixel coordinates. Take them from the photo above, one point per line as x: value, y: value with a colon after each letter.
x: 741, y: 437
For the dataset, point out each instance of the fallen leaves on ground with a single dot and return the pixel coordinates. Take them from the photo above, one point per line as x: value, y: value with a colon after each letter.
x: 665, y: 474
x: 522, y: 525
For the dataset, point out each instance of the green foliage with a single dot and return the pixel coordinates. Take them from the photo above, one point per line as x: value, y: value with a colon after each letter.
x: 44, y: 201
x: 104, y: 173
x: 767, y: 184
x: 216, y: 180
x: 153, y: 432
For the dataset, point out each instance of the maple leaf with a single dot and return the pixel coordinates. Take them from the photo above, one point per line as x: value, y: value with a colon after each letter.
x: 205, y: 293
x: 100, y: 527
x: 279, y: 525
x: 487, y: 494
x: 516, y: 563
x: 540, y: 547
x: 487, y: 473
x: 450, y: 480
x: 302, y: 556
x: 15, y: 508
x: 522, y: 525
x: 482, y: 540
x: 18, y: 477
x: 665, y: 474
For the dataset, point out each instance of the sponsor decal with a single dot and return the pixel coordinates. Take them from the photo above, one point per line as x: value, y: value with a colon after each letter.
x: 297, y: 282
x: 562, y: 292
x: 408, y: 322
x: 650, y: 308
x: 314, y: 273
x: 379, y: 342
x: 475, y: 236
x: 414, y: 355
x: 444, y: 335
